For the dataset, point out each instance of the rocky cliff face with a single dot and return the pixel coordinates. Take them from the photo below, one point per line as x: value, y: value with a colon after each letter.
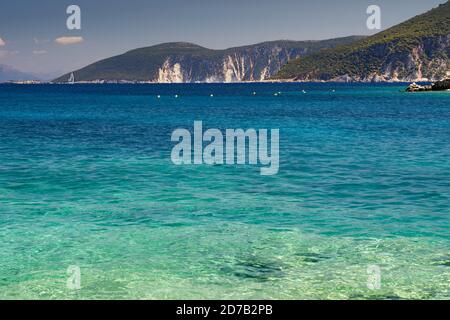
x: 185, y: 62
x: 252, y: 64
x: 426, y: 61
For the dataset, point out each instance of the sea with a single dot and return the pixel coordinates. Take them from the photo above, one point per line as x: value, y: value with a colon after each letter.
x: 92, y: 206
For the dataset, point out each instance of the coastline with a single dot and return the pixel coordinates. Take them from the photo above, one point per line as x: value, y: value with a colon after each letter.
x: 281, y: 81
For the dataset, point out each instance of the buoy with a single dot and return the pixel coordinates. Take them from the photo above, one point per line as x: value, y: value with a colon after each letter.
x: 275, y: 94
x: 176, y: 96
x: 158, y: 96
x: 211, y: 95
x: 254, y: 93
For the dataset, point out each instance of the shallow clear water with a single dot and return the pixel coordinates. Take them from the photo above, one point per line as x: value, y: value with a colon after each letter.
x: 86, y: 179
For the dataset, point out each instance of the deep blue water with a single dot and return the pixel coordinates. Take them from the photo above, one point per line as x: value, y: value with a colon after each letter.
x: 86, y: 179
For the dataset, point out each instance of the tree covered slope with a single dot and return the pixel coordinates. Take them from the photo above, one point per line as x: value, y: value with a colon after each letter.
x: 417, y: 49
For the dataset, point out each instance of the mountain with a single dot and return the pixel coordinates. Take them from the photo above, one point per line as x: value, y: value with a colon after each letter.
x: 8, y: 73
x: 418, y: 49
x: 186, y: 62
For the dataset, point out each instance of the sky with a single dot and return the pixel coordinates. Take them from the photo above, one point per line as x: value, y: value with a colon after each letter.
x: 34, y: 36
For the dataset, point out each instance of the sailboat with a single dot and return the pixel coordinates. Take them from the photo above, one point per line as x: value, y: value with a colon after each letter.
x: 71, y: 79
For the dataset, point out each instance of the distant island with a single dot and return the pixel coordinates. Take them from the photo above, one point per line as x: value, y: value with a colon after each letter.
x: 8, y: 74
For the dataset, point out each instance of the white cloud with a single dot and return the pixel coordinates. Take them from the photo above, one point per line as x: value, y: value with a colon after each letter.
x: 39, y: 52
x: 69, y: 40
x: 2, y: 42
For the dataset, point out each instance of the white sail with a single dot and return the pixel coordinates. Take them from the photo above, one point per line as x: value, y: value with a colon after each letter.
x: 71, y: 78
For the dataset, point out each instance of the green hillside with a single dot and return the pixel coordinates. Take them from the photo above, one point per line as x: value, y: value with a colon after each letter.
x: 199, y: 64
x: 419, y: 46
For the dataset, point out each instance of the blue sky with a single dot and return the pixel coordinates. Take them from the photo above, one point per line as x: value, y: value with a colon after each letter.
x: 28, y: 29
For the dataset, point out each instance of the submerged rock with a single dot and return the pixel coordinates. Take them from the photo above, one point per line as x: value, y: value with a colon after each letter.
x: 311, y: 257
x: 256, y: 267
x: 260, y: 270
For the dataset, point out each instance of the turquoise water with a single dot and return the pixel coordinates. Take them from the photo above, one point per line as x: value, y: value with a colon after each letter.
x: 86, y: 179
